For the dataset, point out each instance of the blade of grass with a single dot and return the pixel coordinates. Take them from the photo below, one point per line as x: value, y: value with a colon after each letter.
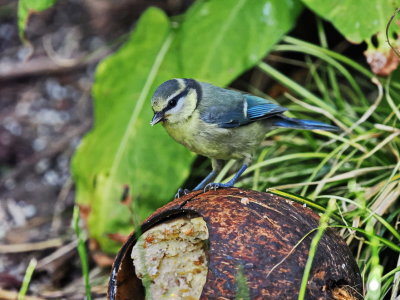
x: 396, y: 280
x: 348, y: 61
x: 384, y: 241
x: 390, y: 100
x: 321, y: 165
x: 27, y: 279
x: 323, y: 225
x: 372, y: 108
x: 290, y: 252
x: 391, y: 178
x: 294, y: 86
x: 319, y: 82
x: 346, y: 74
x: 82, y: 252
x: 333, y: 169
x: 381, y: 144
x: 342, y: 139
x: 375, y: 275
x: 333, y: 54
x: 275, y: 160
x: 225, y: 170
x: 392, y: 230
x: 331, y: 73
x: 343, y: 176
x: 256, y: 177
x: 302, y: 200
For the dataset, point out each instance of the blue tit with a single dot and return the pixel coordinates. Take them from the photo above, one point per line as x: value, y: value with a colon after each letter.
x: 218, y: 123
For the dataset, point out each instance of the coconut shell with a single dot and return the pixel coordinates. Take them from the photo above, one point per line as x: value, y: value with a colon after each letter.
x: 256, y: 232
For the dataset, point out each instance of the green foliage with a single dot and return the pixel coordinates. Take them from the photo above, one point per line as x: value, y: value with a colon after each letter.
x: 124, y: 169
x: 83, y: 256
x: 358, y: 167
x: 356, y: 20
x: 123, y: 149
x: 26, y: 7
x: 246, y: 30
x: 323, y: 225
x: 123, y: 157
x: 123, y: 152
x: 27, y: 279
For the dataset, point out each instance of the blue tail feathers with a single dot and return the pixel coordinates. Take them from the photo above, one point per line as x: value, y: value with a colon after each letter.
x: 303, y: 124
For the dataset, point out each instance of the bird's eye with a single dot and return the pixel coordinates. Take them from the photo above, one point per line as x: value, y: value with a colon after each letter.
x: 172, y: 103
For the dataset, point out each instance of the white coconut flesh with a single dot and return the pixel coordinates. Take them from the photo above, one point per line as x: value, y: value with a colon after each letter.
x: 172, y: 256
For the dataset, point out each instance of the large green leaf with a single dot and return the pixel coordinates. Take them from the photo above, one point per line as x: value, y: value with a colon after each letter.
x: 26, y: 7
x: 123, y: 149
x: 220, y: 39
x: 357, y: 20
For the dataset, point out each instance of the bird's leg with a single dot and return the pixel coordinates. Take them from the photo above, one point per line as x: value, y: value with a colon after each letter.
x: 230, y: 183
x: 216, y: 167
x: 206, y: 180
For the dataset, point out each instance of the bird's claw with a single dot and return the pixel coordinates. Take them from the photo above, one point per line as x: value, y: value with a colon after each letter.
x: 181, y: 192
x: 216, y: 185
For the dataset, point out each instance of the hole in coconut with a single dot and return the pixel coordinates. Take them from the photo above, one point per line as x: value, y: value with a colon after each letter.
x: 341, y: 290
x: 171, y: 258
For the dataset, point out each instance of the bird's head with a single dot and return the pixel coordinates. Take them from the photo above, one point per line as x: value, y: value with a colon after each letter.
x: 175, y: 100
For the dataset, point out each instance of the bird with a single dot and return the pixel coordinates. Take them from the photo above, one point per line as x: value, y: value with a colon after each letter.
x: 219, y: 123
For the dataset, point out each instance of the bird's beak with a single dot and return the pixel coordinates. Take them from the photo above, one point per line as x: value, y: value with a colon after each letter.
x: 158, y: 117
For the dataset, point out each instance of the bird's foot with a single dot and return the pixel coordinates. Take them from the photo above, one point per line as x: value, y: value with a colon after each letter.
x: 217, y: 185
x: 181, y: 192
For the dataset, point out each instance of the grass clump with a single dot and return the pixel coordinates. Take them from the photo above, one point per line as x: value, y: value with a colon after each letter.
x: 357, y: 167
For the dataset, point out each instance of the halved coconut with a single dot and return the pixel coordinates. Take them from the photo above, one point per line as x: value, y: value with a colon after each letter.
x: 259, y: 237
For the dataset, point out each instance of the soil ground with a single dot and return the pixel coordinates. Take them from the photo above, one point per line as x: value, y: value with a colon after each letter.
x: 45, y: 109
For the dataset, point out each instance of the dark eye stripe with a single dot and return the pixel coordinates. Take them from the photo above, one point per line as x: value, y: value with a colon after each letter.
x: 172, y: 102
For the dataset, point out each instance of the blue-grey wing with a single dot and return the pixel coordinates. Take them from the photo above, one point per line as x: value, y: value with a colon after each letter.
x: 260, y: 108
x: 232, y: 109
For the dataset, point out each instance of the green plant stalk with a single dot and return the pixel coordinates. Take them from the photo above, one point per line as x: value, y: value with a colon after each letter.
x: 386, y: 286
x: 391, y: 273
x: 331, y: 73
x: 303, y: 200
x: 323, y: 225
x: 384, y: 241
x: 396, y: 282
x: 335, y: 55
x: 306, y: 155
x: 392, y: 230
x: 374, y: 282
x: 225, y: 170
x: 320, y: 166
x: 319, y: 82
x: 390, y: 100
x: 256, y: 178
x: 294, y: 86
x: 332, y: 62
x: 82, y: 252
x: 331, y: 172
x: 27, y: 279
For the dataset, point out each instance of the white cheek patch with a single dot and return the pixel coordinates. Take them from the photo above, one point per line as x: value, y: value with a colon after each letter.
x: 178, y: 107
x: 184, y: 108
